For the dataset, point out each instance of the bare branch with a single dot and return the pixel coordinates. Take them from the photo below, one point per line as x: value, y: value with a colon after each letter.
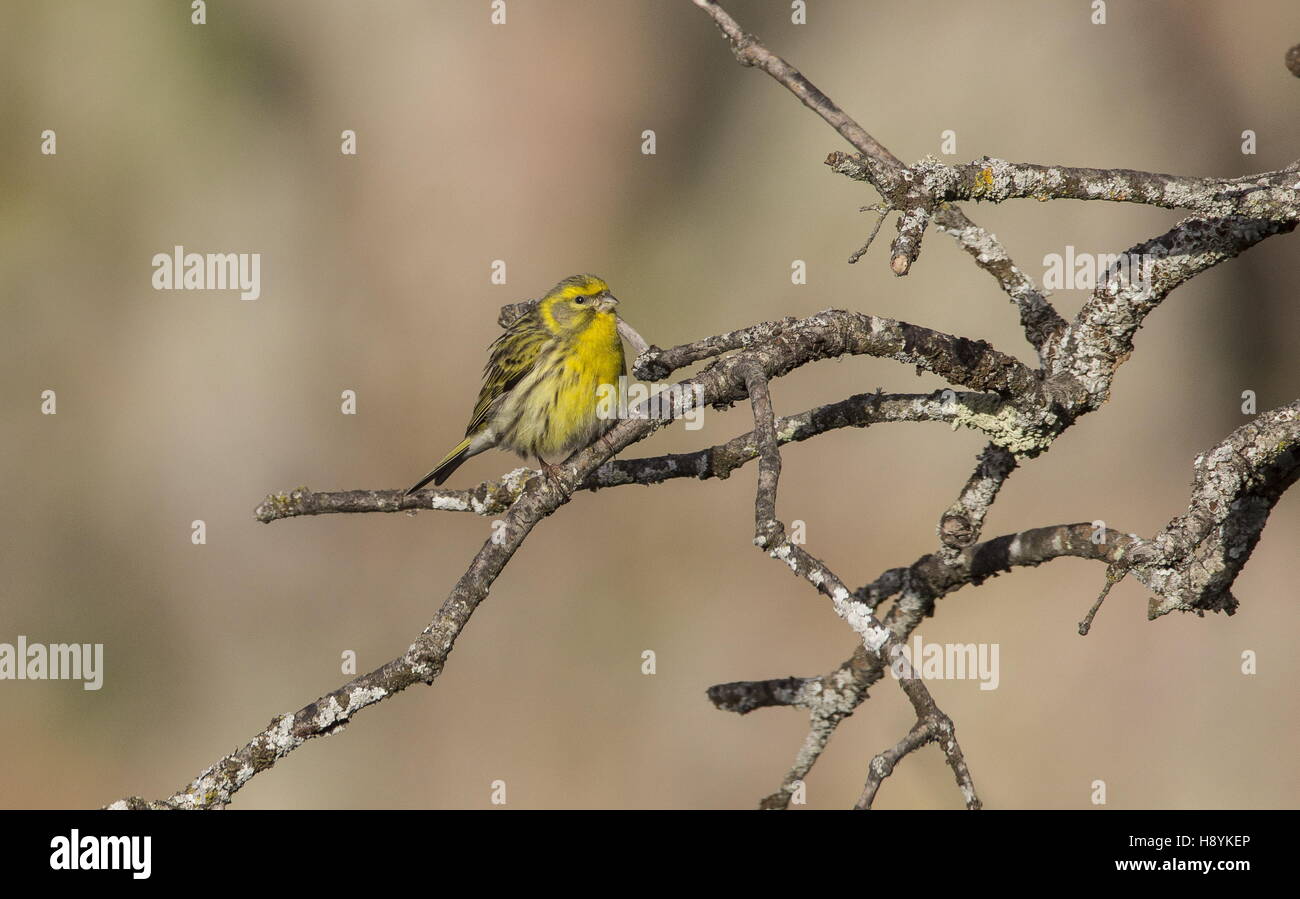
x: 891, y: 178
x: 1270, y: 195
x: 968, y: 363
x: 1042, y: 325
x: 886, y: 168
x: 914, y: 219
x: 829, y: 699
x: 861, y: 251
x: 960, y: 525
x: 1192, y: 564
x: 932, y: 727
x: 742, y: 697
x: 494, y: 497
x: 883, y: 765
x: 769, y: 534
x: 1101, y: 338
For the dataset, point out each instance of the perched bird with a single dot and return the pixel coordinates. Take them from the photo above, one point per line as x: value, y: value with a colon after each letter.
x: 539, y: 395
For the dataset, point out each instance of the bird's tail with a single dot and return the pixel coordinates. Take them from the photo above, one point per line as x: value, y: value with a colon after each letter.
x: 449, y: 463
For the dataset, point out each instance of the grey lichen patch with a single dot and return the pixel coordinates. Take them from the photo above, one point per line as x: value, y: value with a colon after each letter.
x: 785, y: 552
x: 277, y: 740
x: 1006, y: 425
x: 491, y: 498
x: 282, y: 504
x: 361, y: 697
x: 913, y: 219
x: 456, y: 504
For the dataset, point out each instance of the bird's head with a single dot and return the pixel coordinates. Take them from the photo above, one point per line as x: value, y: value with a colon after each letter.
x: 575, y: 303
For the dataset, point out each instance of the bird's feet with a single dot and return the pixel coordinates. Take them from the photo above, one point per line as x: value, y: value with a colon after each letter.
x: 553, y: 472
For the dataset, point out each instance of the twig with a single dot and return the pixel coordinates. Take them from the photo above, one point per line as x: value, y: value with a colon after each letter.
x: 1114, y: 574
x: 1042, y: 325
x: 1271, y: 195
x: 769, y: 535
x: 886, y: 168
x: 1237, y: 482
x: 883, y: 211
x: 1100, y: 338
x: 961, y: 523
x: 494, y: 497
x: 1193, y: 562
x: 890, y: 177
x: 968, y: 363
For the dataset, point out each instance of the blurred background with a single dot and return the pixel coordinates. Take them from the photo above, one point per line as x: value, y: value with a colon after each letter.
x: 522, y: 142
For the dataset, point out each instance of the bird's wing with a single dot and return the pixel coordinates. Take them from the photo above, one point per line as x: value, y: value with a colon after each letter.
x: 513, y: 356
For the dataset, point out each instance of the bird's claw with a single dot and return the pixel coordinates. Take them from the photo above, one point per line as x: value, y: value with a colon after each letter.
x: 553, y: 472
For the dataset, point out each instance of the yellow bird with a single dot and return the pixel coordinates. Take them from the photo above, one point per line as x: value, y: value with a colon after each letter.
x: 541, y: 383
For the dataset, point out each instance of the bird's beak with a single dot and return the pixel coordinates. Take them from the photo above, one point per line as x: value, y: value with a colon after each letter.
x: 607, y: 302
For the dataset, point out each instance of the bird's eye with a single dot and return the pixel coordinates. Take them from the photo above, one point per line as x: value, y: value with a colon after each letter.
x: 580, y: 300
